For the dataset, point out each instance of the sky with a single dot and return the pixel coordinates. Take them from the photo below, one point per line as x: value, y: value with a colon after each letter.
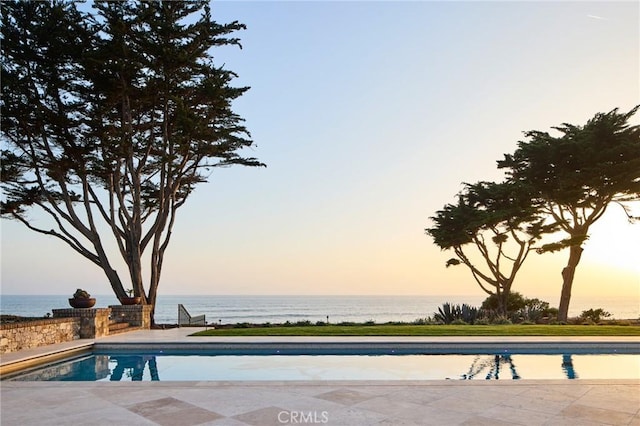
x: 369, y: 116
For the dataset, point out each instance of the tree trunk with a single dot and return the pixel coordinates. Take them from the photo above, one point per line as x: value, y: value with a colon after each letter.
x: 114, y: 280
x: 504, y: 297
x: 503, y: 300
x: 567, y: 281
x: 151, y: 300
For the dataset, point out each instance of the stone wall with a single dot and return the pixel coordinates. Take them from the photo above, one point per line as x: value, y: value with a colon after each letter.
x: 71, y: 324
x: 31, y: 334
x: 135, y: 315
x: 94, y: 322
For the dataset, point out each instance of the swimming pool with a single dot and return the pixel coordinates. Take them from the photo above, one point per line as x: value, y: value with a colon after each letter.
x: 312, y: 362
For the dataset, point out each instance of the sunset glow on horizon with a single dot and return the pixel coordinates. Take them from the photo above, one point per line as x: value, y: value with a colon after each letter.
x: 369, y: 116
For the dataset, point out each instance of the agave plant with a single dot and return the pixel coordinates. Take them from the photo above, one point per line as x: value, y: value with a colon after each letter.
x: 448, y: 313
x: 469, y: 314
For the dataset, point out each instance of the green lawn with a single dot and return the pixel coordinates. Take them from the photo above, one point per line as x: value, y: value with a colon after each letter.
x: 430, y: 330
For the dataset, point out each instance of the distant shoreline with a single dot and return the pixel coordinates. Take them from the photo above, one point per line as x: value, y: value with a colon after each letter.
x: 223, y: 310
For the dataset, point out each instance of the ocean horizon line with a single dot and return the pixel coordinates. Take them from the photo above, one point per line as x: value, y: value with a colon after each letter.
x: 280, y: 308
x: 262, y: 295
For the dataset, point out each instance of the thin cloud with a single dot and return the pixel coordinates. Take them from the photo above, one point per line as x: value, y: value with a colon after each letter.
x: 600, y: 18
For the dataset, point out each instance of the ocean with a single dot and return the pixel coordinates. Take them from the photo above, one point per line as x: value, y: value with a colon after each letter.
x: 279, y: 309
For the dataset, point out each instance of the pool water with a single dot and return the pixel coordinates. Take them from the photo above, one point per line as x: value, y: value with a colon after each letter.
x: 197, y: 367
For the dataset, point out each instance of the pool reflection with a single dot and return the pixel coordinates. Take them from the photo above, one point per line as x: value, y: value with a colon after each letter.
x: 85, y: 369
x: 567, y: 367
x: 492, y: 366
x: 132, y: 367
x: 186, y: 367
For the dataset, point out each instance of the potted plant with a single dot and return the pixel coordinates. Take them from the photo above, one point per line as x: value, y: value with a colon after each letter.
x: 82, y: 299
x: 131, y: 300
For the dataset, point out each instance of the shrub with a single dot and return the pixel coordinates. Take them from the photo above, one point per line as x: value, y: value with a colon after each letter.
x: 534, y: 310
x: 519, y: 308
x: 483, y: 321
x: 594, y: 315
x: 459, y: 321
x: 515, y: 302
x: 620, y: 322
x: 425, y: 321
x: 501, y: 320
x: 552, y: 312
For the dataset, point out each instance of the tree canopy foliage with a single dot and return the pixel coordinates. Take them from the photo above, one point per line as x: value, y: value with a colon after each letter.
x: 553, y: 183
x: 573, y: 177
x: 110, y: 119
x: 497, y: 221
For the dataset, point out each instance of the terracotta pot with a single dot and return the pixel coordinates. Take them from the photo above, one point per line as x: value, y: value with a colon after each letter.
x: 82, y: 303
x: 131, y: 300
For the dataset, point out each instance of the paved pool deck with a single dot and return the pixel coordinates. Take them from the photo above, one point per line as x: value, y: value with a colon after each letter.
x: 446, y: 402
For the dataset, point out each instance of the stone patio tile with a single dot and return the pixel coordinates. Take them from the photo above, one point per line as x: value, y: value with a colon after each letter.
x: 226, y: 421
x: 608, y: 417
x: 170, y: 411
x: 231, y: 401
x: 353, y: 416
x: 605, y: 388
x: 399, y: 422
x: 268, y: 416
x: 508, y: 388
x: 34, y: 416
x: 462, y: 404
x: 105, y: 417
x: 307, y: 403
x: 127, y: 396
x: 104, y: 414
x: 542, y: 405
x: 421, y: 395
x: 436, y: 416
x: 389, y: 406
x: 484, y: 421
x: 70, y: 402
x: 489, y: 394
x: 48, y: 397
x: 516, y: 415
x: 570, y: 421
x: 626, y: 403
x: 312, y: 390
x: 556, y: 393
x: 345, y: 396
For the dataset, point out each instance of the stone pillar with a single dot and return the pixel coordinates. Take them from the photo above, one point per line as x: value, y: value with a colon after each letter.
x: 135, y: 315
x: 94, y: 322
